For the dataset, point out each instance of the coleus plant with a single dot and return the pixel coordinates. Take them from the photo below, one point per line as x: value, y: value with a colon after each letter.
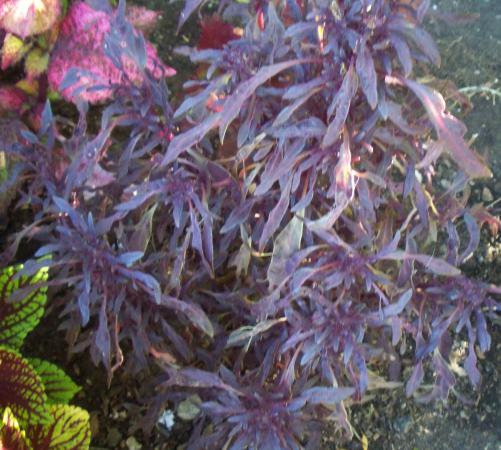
x: 34, y: 394
x: 49, y: 38
x: 272, y: 267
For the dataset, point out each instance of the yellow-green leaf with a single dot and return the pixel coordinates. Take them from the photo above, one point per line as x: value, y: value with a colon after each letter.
x: 36, y: 63
x: 59, y: 387
x: 69, y: 430
x: 18, y: 318
x: 12, y: 437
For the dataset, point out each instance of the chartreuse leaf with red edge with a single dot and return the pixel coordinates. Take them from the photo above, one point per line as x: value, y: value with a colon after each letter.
x: 12, y: 437
x: 59, y: 387
x: 21, y: 389
x: 18, y: 318
x: 69, y: 430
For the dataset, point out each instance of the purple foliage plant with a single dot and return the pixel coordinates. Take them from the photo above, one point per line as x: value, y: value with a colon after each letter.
x: 270, y: 282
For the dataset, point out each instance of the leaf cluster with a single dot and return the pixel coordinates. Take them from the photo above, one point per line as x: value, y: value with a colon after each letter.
x: 34, y: 394
x: 278, y: 236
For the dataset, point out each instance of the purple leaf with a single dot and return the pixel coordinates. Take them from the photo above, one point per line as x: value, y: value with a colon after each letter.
x: 276, y: 216
x: 189, y: 7
x: 102, y: 337
x: 436, y: 265
x: 403, y: 53
x: 415, y: 379
x: 286, y: 244
x: 234, y: 103
x: 474, y: 232
x: 421, y: 38
x: 326, y: 396
x: 396, y: 308
x: 367, y: 74
x: 341, y: 106
x: 193, y: 313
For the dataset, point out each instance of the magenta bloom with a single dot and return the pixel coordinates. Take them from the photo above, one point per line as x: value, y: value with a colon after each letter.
x: 81, y: 45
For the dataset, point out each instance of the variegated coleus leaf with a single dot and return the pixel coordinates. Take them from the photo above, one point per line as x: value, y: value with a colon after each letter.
x: 142, y: 18
x: 18, y: 318
x: 68, y: 430
x: 81, y: 46
x: 28, y: 17
x: 21, y: 389
x: 59, y: 387
x: 13, y: 50
x: 12, y: 437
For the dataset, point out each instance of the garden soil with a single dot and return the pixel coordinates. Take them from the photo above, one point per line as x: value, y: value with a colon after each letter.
x: 471, y: 53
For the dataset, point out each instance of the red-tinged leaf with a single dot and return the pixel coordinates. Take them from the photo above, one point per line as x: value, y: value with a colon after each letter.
x: 12, y: 437
x: 367, y: 74
x: 12, y: 99
x: 340, y: 106
x: 18, y: 318
x: 234, y: 103
x: 415, y: 380
x: 69, y: 430
x: 447, y: 128
x: 327, y: 396
x: 21, y: 389
x: 28, y: 17
x: 215, y: 33
x: 142, y: 18
x: 276, y: 216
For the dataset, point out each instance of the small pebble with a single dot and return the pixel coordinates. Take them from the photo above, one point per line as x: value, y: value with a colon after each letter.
x: 114, y: 437
x: 133, y: 444
x: 487, y: 195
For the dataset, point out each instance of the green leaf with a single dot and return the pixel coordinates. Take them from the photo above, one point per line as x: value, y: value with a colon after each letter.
x: 36, y: 63
x: 21, y: 389
x: 18, y: 318
x: 12, y: 437
x: 59, y: 387
x: 69, y: 430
